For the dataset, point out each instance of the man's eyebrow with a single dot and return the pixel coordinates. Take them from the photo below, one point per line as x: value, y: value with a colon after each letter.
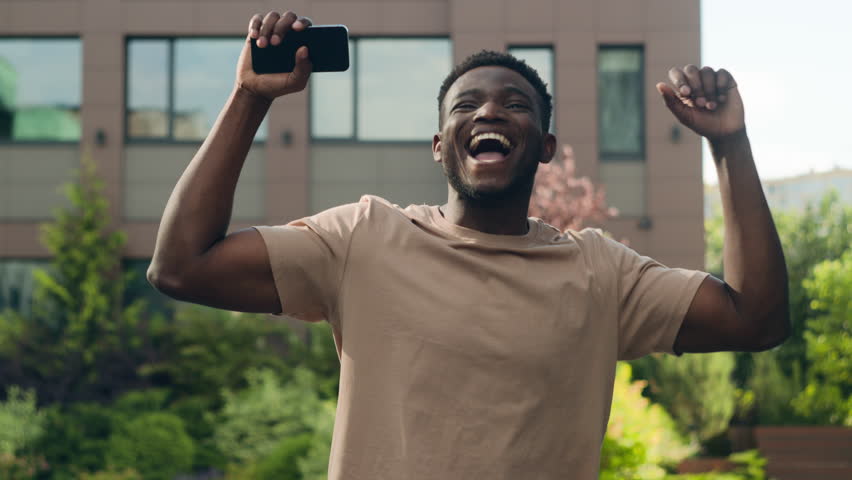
x: 478, y: 92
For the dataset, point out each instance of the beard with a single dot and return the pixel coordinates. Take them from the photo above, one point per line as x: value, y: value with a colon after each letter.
x: 520, y: 184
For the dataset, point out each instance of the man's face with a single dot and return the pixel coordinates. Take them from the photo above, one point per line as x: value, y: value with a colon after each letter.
x: 491, y: 141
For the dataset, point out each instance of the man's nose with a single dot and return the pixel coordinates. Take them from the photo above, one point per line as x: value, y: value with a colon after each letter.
x: 489, y: 111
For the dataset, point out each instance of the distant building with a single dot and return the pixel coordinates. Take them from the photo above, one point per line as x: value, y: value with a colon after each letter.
x: 792, y: 193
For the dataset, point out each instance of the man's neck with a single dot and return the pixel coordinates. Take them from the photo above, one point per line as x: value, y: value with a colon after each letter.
x: 499, y: 217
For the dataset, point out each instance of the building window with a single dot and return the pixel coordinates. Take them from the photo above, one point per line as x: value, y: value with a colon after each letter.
x: 40, y: 89
x: 621, y: 106
x: 388, y: 94
x: 176, y: 87
x: 541, y: 59
x: 17, y: 283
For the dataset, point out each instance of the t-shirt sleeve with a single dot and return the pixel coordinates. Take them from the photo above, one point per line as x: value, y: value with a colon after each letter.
x: 652, y: 300
x: 308, y: 257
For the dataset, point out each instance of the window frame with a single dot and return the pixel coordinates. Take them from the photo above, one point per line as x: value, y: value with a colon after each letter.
x: 170, y: 73
x: 82, y: 89
x: 643, y: 148
x: 353, y: 65
x: 552, y: 84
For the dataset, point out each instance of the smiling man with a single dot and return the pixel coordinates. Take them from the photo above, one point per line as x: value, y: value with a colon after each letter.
x: 474, y: 342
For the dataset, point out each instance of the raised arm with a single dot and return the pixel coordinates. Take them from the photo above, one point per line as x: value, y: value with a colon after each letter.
x: 749, y: 311
x: 194, y: 260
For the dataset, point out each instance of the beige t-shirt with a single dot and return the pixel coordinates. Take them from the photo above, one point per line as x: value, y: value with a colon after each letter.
x: 466, y: 355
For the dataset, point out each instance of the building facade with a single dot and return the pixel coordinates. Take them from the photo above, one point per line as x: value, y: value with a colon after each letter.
x: 137, y: 84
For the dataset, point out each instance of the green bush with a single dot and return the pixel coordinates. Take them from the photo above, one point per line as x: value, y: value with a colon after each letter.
x: 255, y: 420
x: 696, y: 390
x: 828, y: 396
x: 282, y: 461
x: 75, y: 439
x: 126, y: 474
x: 642, y: 438
x: 154, y: 444
x: 314, y: 464
x: 21, y: 423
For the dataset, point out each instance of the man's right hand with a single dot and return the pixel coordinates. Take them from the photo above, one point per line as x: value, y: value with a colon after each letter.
x: 270, y: 30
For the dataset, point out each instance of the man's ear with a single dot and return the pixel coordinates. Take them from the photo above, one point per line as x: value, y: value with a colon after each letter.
x: 436, y: 148
x: 549, y: 148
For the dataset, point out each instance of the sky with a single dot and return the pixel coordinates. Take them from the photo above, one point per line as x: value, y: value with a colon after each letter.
x: 792, y: 61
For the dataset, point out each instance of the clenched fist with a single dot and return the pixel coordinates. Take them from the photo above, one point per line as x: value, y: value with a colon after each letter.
x: 270, y: 30
x: 705, y: 100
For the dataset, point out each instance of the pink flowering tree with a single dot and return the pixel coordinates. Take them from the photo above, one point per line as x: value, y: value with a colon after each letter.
x: 565, y: 201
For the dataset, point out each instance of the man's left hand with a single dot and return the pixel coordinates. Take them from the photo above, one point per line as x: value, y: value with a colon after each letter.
x: 705, y: 100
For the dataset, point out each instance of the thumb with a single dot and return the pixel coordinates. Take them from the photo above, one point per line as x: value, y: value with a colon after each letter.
x: 303, y: 68
x: 677, y: 107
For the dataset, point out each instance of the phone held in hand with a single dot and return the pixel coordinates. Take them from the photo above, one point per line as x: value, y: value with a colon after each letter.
x: 328, y: 49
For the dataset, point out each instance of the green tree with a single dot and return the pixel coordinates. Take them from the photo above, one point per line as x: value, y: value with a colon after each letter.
x: 828, y: 396
x: 79, y: 340
x: 697, y: 390
x: 21, y: 423
x: 154, y: 444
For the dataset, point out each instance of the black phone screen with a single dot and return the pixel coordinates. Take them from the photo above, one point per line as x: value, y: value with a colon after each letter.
x: 328, y: 49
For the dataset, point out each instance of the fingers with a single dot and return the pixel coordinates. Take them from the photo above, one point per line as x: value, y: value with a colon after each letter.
x: 302, y: 70
x: 254, y: 25
x: 702, y: 88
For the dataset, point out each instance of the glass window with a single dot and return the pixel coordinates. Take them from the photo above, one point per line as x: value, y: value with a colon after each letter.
x: 541, y: 59
x: 391, y: 87
x: 332, y: 103
x: 147, y: 89
x: 621, y: 109
x: 40, y: 89
x: 17, y: 283
x: 176, y: 88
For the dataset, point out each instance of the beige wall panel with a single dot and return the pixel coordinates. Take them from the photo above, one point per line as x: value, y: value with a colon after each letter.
x: 627, y: 195
x: 326, y: 195
x: 5, y: 16
x: 530, y: 16
x: 675, y: 197
x: 34, y: 201
x: 626, y: 186
x: 415, y: 18
x: 21, y: 240
x: 101, y: 15
x: 669, y: 48
x: 147, y: 201
x: 465, y: 44
x: 620, y: 37
x: 166, y: 163
x: 576, y: 83
x: 45, y: 17
x: 576, y: 15
x: 287, y: 163
x: 104, y: 87
x: 578, y: 122
x: 286, y: 201
x: 103, y: 50
x: 344, y: 163
x: 230, y: 17
x: 576, y: 48
x: 521, y: 38
x: 674, y: 161
x: 683, y: 236
x: 404, y: 194
x: 585, y: 157
x: 150, y: 17
x: 621, y: 15
x: 39, y: 165
x: 477, y: 16
x: 673, y: 14
x: 362, y: 17
x: 409, y: 164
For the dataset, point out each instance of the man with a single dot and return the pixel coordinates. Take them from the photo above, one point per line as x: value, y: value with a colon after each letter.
x: 475, y: 343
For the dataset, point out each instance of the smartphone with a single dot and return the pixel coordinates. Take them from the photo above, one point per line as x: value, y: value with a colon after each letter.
x: 328, y: 49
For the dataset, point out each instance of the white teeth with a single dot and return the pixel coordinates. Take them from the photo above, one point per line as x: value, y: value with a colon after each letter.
x: 490, y: 136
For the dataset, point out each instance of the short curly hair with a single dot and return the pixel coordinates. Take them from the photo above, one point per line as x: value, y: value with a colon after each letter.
x: 487, y: 58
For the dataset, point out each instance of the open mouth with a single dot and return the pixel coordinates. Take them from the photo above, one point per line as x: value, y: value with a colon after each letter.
x: 489, y: 147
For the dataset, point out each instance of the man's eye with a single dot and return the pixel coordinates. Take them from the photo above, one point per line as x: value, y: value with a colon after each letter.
x: 517, y: 105
x: 465, y: 106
